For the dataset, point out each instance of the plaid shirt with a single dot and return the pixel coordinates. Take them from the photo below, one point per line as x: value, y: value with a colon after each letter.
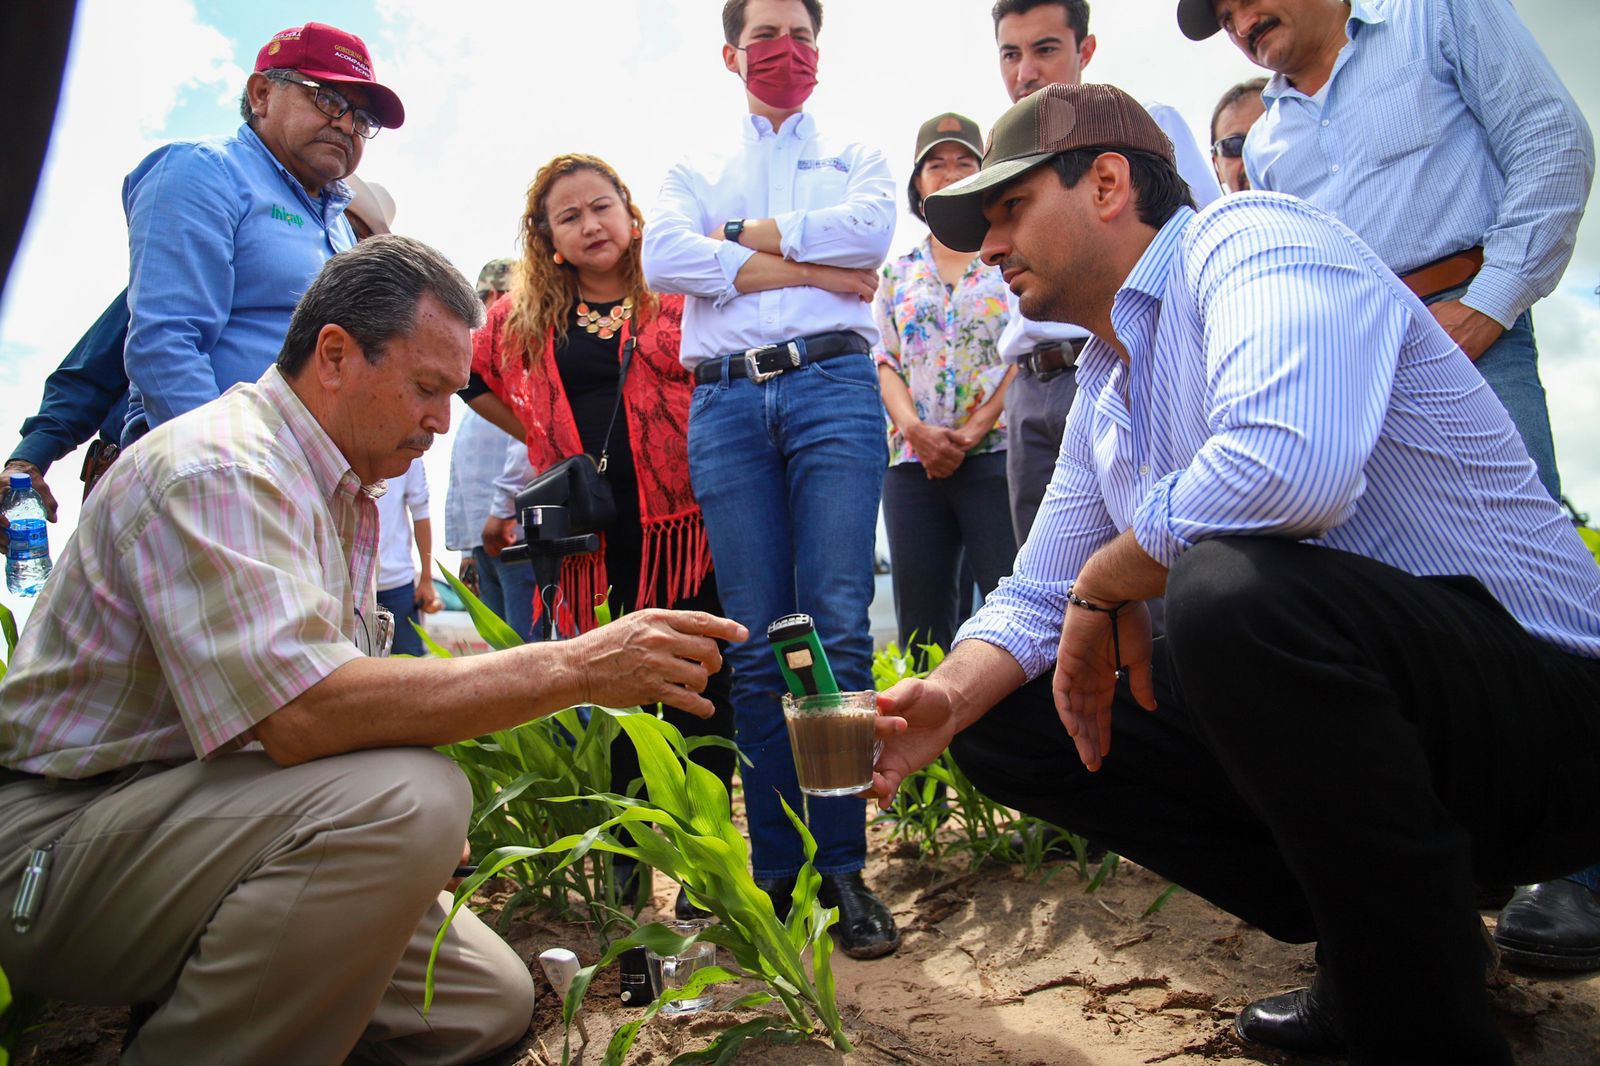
x: 213, y: 577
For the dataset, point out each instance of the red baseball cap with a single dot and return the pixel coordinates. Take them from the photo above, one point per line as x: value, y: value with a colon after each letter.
x: 329, y: 54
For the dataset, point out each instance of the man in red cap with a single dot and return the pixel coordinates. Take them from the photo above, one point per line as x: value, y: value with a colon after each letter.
x: 225, y: 234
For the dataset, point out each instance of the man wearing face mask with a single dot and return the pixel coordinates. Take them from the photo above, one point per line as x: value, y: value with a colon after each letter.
x: 777, y: 243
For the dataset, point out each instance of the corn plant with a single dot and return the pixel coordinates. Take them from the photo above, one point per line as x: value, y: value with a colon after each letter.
x: 685, y: 829
x: 5, y: 1005
x: 8, y: 627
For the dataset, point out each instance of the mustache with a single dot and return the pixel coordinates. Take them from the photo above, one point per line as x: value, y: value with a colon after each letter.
x: 1259, y: 29
x: 423, y: 441
x: 333, y: 136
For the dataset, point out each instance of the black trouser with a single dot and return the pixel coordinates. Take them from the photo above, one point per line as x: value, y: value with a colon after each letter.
x: 935, y: 523
x: 1340, y: 750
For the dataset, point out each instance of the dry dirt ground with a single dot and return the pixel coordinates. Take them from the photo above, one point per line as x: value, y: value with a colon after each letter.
x: 995, y: 968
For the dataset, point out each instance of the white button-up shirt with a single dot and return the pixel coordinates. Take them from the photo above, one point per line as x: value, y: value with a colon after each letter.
x: 833, y: 204
x: 1023, y: 335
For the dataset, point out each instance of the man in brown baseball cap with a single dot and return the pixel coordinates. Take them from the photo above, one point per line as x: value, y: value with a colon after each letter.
x: 1269, y: 431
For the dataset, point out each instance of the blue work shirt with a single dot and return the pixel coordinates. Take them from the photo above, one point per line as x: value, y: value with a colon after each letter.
x: 1442, y: 128
x: 1281, y: 382
x: 222, y: 242
x: 87, y: 393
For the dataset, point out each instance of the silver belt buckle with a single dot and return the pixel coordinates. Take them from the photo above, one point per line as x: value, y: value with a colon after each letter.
x: 751, y: 354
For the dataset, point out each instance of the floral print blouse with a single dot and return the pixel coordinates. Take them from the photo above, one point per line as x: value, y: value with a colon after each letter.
x: 944, y: 343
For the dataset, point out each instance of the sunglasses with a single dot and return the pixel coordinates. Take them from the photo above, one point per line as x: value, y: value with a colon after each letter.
x: 1231, y: 146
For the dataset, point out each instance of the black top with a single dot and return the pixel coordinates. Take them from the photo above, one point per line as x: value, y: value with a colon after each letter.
x: 590, y: 369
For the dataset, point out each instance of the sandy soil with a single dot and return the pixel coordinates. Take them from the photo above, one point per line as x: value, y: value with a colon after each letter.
x: 995, y: 968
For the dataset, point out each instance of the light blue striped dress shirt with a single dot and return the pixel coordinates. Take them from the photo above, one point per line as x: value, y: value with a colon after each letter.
x: 1443, y: 128
x: 1281, y: 382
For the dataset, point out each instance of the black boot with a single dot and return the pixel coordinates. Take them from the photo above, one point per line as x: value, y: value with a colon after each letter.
x: 866, y: 927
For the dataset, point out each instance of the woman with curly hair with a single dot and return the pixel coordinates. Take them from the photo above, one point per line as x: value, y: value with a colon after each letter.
x: 552, y: 352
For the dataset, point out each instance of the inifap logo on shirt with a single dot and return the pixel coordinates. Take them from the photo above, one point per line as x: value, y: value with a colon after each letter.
x: 284, y: 214
x: 832, y: 163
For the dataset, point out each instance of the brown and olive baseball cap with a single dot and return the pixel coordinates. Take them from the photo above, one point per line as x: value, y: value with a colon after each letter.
x: 1056, y: 119
x: 951, y: 127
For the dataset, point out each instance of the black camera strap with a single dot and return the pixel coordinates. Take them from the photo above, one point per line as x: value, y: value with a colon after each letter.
x: 628, y: 345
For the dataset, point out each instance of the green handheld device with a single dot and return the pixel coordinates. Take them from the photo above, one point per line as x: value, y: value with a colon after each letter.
x: 800, y: 656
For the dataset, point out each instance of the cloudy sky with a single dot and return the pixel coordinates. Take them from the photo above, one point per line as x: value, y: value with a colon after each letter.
x: 491, y: 98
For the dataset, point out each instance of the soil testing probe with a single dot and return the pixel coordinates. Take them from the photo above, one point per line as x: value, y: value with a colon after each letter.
x: 800, y: 656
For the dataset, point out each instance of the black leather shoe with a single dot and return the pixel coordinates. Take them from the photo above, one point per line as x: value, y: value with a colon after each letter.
x: 1295, y: 1021
x: 1554, y: 925
x: 781, y: 891
x: 865, y: 929
x: 683, y: 907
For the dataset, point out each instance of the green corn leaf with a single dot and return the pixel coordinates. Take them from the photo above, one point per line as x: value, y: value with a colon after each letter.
x: 495, y: 632
x: 8, y: 626
x: 728, y: 1043
x: 1107, y: 865
x: 663, y: 771
x: 433, y: 646
x: 1161, y: 900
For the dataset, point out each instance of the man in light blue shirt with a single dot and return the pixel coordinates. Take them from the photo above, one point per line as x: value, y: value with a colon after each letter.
x: 1383, y: 636
x: 777, y: 246
x: 225, y: 235
x: 1432, y: 129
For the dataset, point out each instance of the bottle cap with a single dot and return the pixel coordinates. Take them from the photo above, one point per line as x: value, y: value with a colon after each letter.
x: 22, y: 481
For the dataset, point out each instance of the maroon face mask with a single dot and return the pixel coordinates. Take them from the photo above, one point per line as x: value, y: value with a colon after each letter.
x: 780, y: 72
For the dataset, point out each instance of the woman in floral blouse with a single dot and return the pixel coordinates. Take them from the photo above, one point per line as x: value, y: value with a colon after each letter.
x: 940, y: 313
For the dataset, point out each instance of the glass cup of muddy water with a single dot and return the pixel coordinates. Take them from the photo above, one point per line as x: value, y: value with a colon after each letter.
x: 831, y: 736
x: 668, y: 973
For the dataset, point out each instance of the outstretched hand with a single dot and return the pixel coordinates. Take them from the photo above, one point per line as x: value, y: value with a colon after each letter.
x: 654, y: 656
x: 915, y: 724
x: 1086, y: 674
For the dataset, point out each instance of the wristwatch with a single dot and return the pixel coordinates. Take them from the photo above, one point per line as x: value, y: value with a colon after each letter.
x: 732, y: 230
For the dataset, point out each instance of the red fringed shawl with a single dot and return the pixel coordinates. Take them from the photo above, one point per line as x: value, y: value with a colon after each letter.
x: 655, y: 407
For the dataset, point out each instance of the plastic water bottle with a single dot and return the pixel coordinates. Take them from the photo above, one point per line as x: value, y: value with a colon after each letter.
x: 28, y: 553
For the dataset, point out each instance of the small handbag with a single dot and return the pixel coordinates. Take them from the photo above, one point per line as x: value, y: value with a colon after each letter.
x: 578, y: 482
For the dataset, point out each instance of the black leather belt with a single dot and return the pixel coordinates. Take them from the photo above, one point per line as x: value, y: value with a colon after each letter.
x: 1051, y: 360
x: 770, y: 360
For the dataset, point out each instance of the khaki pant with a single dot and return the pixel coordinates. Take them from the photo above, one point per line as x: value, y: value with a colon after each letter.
x: 275, y: 914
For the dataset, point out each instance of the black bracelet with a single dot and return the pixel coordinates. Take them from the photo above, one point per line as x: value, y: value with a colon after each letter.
x: 1074, y: 600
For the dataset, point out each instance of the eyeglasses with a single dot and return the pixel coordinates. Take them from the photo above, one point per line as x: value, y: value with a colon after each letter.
x: 335, y: 106
x: 1231, y: 146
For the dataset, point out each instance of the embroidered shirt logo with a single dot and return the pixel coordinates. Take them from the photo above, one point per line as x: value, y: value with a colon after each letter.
x: 834, y: 163
x: 288, y: 216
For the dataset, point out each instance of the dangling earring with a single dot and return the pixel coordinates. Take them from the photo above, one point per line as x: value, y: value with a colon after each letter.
x: 636, y: 233
x: 559, y: 258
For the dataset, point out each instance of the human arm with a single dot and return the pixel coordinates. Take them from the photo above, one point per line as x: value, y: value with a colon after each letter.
x: 1540, y: 143
x: 935, y: 446
x: 427, y: 597
x: 79, y: 395
x: 971, y: 679
x: 645, y: 657
x: 983, y: 419
x: 501, y: 530
x: 1302, y: 345
x: 182, y: 214
x: 852, y: 231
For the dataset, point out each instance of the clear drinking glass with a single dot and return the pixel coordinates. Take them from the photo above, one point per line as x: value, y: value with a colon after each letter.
x: 671, y: 972
x: 831, y: 736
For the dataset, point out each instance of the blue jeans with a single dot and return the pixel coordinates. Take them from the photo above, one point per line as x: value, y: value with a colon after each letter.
x: 788, y: 474
x: 1511, y: 368
x: 402, y: 603
x: 513, y: 591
